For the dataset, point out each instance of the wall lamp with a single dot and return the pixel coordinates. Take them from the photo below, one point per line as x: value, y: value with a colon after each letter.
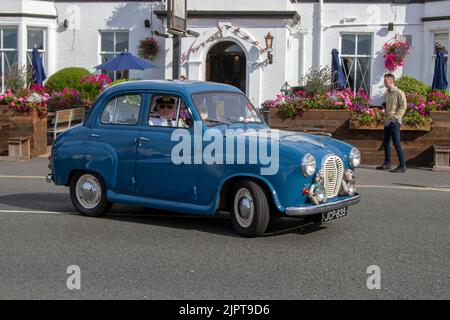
x: 193, y: 33
x: 161, y: 34
x: 269, y: 44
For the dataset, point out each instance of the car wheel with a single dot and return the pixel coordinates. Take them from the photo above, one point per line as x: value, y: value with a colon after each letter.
x: 249, y: 209
x: 88, y: 194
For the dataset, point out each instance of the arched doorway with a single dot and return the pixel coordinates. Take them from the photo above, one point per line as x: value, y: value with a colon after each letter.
x: 226, y: 63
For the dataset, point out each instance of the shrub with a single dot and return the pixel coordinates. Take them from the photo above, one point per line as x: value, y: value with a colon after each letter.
x: 411, y: 85
x: 28, y: 102
x: 63, y: 100
x: 92, y: 85
x: 67, y: 78
x: 17, y: 78
x: 439, y: 100
x: 122, y: 80
x: 318, y: 82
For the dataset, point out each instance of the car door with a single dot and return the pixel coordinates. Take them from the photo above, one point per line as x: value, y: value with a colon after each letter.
x: 157, y: 176
x: 114, y: 139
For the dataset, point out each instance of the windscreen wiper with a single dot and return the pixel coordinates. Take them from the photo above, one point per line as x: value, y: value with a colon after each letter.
x: 217, y: 121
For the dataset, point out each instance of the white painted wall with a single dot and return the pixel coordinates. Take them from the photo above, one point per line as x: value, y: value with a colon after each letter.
x: 263, y: 80
x: 295, y: 47
x: 371, y: 19
x: 79, y: 45
x: 244, y: 5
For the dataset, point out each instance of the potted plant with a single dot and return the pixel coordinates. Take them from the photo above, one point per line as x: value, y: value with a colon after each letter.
x: 27, y: 113
x: 394, y: 54
x: 148, y: 48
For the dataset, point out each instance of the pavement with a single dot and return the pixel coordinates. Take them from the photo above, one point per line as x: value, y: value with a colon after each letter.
x: 402, y: 226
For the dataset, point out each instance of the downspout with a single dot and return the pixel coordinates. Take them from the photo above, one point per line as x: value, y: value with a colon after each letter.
x: 319, y: 53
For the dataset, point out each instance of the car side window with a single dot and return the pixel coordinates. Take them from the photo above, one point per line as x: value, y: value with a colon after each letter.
x: 122, y: 110
x: 169, y: 111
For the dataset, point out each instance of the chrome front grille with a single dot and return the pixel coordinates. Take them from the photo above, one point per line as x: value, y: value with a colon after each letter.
x: 333, y: 170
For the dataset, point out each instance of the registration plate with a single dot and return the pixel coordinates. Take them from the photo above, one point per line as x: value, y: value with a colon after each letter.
x: 334, y: 214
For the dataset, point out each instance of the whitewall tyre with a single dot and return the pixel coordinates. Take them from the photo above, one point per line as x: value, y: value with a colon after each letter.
x: 88, y: 194
x: 250, y: 210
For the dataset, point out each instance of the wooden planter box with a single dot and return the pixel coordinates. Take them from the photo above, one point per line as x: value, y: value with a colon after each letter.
x: 26, y: 124
x: 440, y: 116
x: 417, y: 142
x: 356, y: 125
x: 325, y: 120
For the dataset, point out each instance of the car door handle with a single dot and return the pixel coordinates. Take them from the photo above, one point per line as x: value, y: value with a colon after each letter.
x: 143, y: 139
x: 93, y: 135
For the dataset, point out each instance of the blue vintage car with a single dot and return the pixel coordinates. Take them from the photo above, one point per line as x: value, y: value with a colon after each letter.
x: 200, y: 148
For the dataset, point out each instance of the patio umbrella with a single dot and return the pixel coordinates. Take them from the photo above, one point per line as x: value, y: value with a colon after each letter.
x: 339, y: 76
x: 38, y: 68
x: 439, y: 79
x: 125, y: 61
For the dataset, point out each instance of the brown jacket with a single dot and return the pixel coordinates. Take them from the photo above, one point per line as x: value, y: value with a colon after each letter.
x: 395, y: 104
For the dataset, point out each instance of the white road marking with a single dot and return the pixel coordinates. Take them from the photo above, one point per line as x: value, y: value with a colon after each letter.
x: 438, y: 189
x: 35, y: 211
x: 22, y: 177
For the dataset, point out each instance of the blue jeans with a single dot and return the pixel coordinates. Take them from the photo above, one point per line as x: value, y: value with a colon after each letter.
x: 393, y: 131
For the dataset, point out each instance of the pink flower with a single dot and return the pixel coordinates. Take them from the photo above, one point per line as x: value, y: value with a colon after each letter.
x: 11, y: 104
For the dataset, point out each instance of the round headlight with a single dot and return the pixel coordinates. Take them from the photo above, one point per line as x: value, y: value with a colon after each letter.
x: 355, y: 158
x: 308, y: 165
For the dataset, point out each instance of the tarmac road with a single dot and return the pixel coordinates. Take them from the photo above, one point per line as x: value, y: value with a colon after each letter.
x: 402, y: 226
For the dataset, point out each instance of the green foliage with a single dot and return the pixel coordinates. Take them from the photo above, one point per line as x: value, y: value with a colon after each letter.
x: 291, y: 106
x: 122, y: 80
x: 411, y: 85
x: 17, y: 78
x: 67, y: 78
x: 414, y: 118
x: 318, y: 82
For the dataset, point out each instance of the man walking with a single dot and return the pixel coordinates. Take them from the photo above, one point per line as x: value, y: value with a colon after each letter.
x: 395, y: 109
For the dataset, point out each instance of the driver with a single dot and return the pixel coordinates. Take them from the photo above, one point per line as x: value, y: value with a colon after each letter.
x: 165, y: 108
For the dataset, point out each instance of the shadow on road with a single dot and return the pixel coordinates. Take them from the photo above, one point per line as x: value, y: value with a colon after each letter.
x: 221, y: 224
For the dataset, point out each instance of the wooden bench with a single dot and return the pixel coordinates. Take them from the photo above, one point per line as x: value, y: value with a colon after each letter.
x: 441, y: 158
x: 65, y: 119
x: 19, y: 148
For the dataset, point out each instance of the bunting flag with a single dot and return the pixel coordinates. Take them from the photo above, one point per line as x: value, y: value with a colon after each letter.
x: 218, y: 34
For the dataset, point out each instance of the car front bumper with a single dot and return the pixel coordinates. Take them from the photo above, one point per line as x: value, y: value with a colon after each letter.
x: 324, y: 207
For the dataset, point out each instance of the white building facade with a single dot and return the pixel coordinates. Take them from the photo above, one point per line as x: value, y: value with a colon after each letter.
x: 230, y: 47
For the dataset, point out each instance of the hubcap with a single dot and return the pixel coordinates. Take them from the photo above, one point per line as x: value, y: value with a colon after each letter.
x: 243, y: 207
x: 88, y: 191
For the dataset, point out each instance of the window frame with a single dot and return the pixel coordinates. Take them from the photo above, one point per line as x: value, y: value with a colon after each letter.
x: 43, y: 51
x: 446, y: 55
x: 3, y: 50
x: 115, y: 97
x: 114, y: 53
x: 357, y: 57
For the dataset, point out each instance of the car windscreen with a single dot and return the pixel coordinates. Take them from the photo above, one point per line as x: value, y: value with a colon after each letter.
x: 225, y: 107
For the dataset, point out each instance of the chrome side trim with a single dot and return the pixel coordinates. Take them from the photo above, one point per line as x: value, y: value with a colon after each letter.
x: 324, y: 207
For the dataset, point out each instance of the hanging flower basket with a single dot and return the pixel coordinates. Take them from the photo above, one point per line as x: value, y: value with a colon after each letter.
x: 148, y: 48
x: 394, y: 54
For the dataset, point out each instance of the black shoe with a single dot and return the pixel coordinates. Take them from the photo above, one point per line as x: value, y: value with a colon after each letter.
x: 384, y: 167
x: 399, y: 169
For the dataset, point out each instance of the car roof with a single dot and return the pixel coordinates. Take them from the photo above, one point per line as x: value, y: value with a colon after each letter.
x: 186, y: 87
